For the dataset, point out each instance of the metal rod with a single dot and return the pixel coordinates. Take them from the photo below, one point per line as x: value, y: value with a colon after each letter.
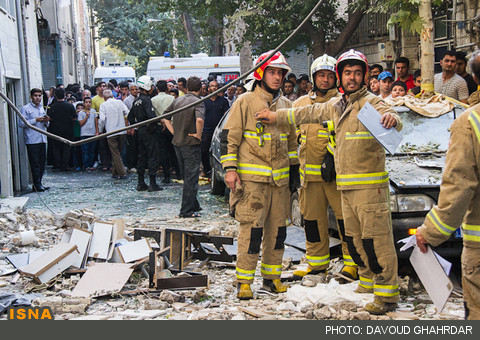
x: 166, y: 115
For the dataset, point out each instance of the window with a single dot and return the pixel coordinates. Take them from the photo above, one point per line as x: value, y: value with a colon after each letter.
x: 8, y: 6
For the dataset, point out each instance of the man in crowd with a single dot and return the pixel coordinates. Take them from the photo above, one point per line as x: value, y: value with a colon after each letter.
x: 361, y: 177
x: 103, y: 148
x: 88, y: 120
x: 99, y: 98
x: 385, y: 79
x: 148, y: 155
x: 402, y: 66
x: 123, y: 91
x: 319, y: 188
x: 375, y: 70
x: 461, y: 70
x: 186, y: 127
x: 35, y: 115
x: 288, y: 87
x: 231, y: 94
x: 215, y: 108
x: 62, y: 116
x: 261, y: 165
x: 302, y: 85
x: 113, y: 116
x: 131, y: 154
x: 160, y: 102
x: 182, y: 86
x: 448, y: 82
x: 459, y: 200
x: 240, y: 90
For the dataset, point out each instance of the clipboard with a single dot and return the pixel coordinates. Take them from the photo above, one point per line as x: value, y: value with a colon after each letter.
x: 388, y: 138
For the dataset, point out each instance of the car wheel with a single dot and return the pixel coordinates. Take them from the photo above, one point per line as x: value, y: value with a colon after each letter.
x: 297, y: 218
x: 217, y: 186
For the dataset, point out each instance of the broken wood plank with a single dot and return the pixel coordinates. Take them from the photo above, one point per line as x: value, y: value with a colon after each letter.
x: 403, y: 315
x: 103, y: 279
x: 52, y: 263
x: 344, y: 277
x: 184, y: 282
x: 253, y: 312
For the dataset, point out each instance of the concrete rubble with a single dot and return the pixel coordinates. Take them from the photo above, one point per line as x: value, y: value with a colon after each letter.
x: 304, y: 300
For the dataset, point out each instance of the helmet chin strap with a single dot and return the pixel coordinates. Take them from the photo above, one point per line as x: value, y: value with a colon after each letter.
x: 268, y: 88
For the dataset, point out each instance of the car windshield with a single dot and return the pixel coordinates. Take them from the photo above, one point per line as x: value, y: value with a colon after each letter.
x: 424, y: 134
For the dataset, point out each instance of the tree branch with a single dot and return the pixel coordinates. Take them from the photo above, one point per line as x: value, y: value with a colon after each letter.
x: 335, y: 47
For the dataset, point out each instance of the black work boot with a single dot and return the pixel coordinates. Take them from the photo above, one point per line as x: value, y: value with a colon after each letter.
x: 141, y: 186
x: 153, y: 184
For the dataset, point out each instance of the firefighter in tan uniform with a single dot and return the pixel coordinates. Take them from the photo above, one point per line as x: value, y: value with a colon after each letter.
x: 319, y: 190
x: 361, y: 177
x: 257, y: 159
x: 459, y: 200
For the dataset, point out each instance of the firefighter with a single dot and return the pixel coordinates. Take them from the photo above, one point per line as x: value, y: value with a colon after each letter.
x: 319, y: 190
x: 361, y: 177
x: 148, y: 153
x: 257, y: 160
x: 459, y: 200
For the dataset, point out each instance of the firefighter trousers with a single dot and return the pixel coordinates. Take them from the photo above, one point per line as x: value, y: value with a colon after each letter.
x: 369, y: 236
x: 471, y: 281
x: 262, y: 210
x: 315, y: 197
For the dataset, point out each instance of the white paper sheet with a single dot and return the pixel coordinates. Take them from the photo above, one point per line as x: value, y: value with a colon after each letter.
x: 389, y: 138
x: 432, y: 276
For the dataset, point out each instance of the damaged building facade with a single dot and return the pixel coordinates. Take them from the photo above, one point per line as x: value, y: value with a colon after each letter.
x: 42, y: 44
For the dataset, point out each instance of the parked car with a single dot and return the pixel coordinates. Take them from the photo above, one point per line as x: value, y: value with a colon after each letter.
x: 415, y: 173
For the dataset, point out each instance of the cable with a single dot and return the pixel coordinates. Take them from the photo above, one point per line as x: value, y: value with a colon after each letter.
x: 166, y: 115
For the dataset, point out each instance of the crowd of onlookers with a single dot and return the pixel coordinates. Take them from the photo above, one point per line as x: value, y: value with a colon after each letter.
x: 454, y: 81
x: 77, y: 113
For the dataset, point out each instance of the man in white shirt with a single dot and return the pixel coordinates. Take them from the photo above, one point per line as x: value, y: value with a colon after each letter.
x: 448, y: 82
x: 113, y: 116
x: 35, y: 141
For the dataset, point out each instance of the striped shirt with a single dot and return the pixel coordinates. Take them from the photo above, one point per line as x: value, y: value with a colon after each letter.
x: 455, y: 87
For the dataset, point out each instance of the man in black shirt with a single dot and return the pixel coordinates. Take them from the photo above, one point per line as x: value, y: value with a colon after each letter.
x: 460, y: 69
x: 62, y: 116
x: 186, y: 127
x: 148, y: 153
x: 215, y: 108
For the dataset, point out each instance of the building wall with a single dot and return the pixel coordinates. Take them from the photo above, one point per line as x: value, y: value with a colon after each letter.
x: 34, y: 61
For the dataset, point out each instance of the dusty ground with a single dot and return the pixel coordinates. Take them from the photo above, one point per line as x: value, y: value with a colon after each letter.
x: 110, y: 198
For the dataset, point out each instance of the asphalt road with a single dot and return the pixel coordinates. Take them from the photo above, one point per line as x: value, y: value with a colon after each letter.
x: 109, y: 197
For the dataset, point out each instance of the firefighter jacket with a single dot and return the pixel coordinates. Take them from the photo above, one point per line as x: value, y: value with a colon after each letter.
x: 459, y: 199
x: 359, y: 158
x: 260, y: 153
x: 313, y: 139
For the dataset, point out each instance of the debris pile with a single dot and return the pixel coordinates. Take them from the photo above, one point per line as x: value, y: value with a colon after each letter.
x: 88, y: 268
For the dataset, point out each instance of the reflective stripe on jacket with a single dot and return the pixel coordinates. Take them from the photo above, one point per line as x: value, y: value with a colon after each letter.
x: 459, y: 199
x: 259, y: 155
x: 313, y: 139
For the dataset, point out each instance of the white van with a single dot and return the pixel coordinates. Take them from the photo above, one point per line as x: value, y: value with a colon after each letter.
x: 119, y: 73
x: 223, y: 69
